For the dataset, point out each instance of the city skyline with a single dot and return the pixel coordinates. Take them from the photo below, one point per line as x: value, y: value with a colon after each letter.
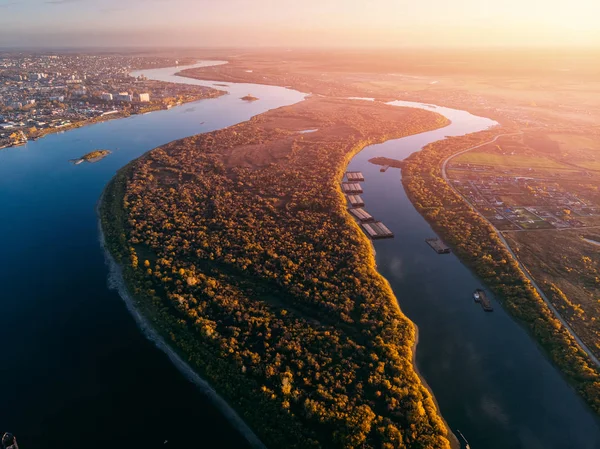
x: 385, y: 23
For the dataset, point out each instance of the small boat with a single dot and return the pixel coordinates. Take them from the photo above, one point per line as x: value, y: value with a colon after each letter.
x: 476, y: 296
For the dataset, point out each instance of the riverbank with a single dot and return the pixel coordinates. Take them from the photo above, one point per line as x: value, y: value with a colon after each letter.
x: 117, y: 282
x: 220, y: 263
x: 167, y: 103
x: 490, y: 258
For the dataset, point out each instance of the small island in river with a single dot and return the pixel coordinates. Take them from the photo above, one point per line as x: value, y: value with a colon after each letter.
x: 93, y: 156
x: 249, y: 98
x: 237, y: 245
x: 386, y: 162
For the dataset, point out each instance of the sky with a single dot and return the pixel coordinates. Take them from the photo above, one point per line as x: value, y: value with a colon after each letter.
x: 300, y: 23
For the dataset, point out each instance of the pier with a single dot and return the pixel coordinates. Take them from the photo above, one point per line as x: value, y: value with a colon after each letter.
x: 362, y: 215
x: 354, y: 176
x: 377, y: 230
x: 438, y: 246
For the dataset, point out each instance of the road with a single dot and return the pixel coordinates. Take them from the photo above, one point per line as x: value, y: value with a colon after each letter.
x: 558, y: 316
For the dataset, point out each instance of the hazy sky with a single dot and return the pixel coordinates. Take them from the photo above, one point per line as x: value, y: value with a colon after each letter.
x: 389, y: 23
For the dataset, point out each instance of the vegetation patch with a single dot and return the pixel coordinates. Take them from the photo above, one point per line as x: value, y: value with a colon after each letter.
x: 258, y: 276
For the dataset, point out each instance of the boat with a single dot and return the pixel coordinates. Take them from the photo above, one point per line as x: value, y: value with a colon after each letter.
x: 480, y: 297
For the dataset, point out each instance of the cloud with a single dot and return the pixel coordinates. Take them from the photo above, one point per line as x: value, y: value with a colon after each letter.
x: 7, y: 5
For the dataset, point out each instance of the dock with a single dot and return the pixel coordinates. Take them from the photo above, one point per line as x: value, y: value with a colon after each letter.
x: 438, y: 246
x: 354, y: 176
x: 377, y: 230
x: 481, y: 297
x: 352, y: 188
x: 362, y: 215
x: 356, y: 201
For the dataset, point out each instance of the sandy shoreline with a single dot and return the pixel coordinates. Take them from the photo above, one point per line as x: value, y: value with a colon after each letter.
x: 117, y: 282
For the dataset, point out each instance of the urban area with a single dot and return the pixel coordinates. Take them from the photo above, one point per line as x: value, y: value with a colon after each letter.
x: 42, y: 94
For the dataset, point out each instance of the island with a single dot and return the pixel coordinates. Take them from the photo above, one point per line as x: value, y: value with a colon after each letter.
x: 386, y: 162
x: 249, y: 98
x: 237, y: 246
x: 93, y: 156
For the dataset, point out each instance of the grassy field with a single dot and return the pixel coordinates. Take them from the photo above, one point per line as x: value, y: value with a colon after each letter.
x: 500, y: 160
x: 568, y: 270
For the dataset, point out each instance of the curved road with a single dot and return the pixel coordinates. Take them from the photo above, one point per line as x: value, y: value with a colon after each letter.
x: 581, y: 344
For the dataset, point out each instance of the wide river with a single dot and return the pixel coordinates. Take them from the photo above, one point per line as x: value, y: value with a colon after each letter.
x: 77, y: 372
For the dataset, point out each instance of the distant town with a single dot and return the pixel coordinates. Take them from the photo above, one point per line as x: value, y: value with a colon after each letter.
x: 42, y: 94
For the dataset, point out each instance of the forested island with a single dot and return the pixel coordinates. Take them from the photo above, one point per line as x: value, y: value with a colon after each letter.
x: 238, y: 247
x: 475, y: 241
x: 386, y: 161
x: 93, y: 156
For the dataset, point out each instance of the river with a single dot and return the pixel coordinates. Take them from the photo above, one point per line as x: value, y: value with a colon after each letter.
x: 77, y: 372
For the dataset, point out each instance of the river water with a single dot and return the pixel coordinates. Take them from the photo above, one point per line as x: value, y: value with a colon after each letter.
x: 76, y: 371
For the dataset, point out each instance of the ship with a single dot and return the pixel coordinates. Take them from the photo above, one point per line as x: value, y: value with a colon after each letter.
x: 480, y: 297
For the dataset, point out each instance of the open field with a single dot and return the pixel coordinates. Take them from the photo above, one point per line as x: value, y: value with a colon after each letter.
x: 567, y: 268
x: 525, y: 88
x: 503, y: 160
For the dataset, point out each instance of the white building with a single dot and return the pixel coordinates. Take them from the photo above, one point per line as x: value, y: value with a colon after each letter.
x: 144, y: 98
x: 124, y: 96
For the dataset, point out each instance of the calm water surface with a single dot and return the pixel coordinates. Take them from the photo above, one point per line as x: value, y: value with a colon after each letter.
x: 489, y: 377
x: 77, y: 372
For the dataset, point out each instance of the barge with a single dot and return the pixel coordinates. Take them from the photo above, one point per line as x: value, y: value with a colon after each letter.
x: 356, y: 201
x: 351, y: 188
x: 377, y: 230
x: 480, y: 297
x: 362, y: 215
x: 355, y: 176
x: 438, y: 246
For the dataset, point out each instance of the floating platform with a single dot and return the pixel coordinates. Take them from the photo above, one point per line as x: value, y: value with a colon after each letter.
x: 480, y: 297
x: 438, y: 246
x: 362, y: 215
x: 377, y: 230
x: 352, y: 187
x: 356, y: 201
x: 354, y: 176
